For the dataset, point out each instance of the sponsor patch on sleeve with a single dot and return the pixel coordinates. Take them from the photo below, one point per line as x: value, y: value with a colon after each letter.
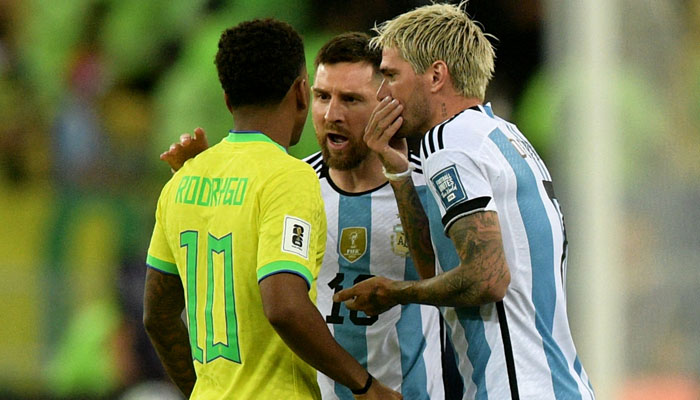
x: 297, y: 234
x: 448, y: 187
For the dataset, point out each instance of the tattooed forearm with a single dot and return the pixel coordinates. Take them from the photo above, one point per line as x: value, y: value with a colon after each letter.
x: 483, y: 268
x: 163, y: 304
x: 415, y: 226
x: 482, y: 276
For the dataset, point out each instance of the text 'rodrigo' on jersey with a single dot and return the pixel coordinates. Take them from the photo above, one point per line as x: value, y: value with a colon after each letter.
x: 236, y: 214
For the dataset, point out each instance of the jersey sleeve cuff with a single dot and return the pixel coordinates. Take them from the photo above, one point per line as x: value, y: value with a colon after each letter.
x: 160, y: 265
x: 287, y: 267
x: 463, y: 209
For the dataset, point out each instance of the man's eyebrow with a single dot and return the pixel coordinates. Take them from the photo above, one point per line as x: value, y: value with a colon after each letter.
x: 348, y: 93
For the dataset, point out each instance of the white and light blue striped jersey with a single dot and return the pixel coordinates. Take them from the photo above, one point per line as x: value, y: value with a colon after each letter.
x: 520, y: 347
x: 400, y: 347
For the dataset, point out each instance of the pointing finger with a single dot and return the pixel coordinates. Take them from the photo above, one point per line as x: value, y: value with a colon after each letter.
x: 343, y: 295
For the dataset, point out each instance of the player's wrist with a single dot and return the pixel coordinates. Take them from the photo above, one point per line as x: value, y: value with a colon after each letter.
x: 401, y: 291
x: 365, y: 388
x: 397, y: 176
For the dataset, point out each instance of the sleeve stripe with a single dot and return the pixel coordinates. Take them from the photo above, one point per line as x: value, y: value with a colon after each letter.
x: 292, y: 267
x: 462, y: 209
x: 424, y: 143
x: 414, y: 160
x: 162, y: 266
x: 441, y: 144
x: 316, y: 162
x: 434, y: 136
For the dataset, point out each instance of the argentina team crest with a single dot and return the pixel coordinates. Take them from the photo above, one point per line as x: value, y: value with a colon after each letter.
x: 399, y: 244
x: 353, y: 243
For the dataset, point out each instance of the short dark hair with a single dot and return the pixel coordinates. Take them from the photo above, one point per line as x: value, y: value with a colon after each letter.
x: 349, y: 47
x: 258, y: 61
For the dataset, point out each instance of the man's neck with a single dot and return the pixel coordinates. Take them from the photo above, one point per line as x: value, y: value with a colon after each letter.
x: 446, y: 107
x: 366, y: 176
x: 270, y: 121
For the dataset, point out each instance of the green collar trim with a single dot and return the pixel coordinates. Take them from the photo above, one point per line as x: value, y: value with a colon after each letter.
x: 251, y: 136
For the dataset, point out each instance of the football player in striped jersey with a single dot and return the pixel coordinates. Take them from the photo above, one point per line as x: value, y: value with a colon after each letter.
x: 502, y: 283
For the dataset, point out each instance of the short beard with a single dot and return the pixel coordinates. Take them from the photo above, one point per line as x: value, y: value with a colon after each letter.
x: 348, y: 160
x: 415, y: 116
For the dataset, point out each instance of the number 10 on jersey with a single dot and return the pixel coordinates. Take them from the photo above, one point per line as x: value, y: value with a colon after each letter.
x: 220, y: 288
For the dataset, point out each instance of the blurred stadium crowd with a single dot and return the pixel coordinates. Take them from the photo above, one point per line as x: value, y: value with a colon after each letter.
x: 91, y: 91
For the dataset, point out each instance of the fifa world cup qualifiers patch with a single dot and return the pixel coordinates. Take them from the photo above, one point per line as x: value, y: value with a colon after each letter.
x: 448, y: 186
x: 297, y: 234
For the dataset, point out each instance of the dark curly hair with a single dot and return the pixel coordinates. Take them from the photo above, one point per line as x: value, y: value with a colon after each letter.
x: 349, y: 47
x: 258, y: 61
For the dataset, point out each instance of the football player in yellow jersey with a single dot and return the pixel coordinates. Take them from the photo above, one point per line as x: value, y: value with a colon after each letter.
x: 238, y: 241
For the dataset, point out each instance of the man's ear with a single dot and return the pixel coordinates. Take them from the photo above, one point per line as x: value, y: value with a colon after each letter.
x: 439, y: 76
x: 301, y: 90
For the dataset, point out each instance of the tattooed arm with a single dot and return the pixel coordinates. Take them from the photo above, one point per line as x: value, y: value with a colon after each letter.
x: 415, y: 227
x: 481, y: 277
x: 163, y: 304
x: 393, y: 153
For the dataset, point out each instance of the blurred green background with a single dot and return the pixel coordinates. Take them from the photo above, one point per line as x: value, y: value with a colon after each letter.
x: 92, y: 91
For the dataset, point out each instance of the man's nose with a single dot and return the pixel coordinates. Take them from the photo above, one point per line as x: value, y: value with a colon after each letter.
x: 383, y: 90
x: 333, y: 111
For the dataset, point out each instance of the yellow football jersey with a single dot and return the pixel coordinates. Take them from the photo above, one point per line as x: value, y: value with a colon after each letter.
x: 240, y: 211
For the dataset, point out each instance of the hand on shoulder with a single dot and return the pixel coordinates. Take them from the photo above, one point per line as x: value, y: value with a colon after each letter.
x: 188, y: 147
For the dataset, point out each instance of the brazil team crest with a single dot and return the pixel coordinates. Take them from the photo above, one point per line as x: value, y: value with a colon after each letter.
x: 353, y: 243
x: 399, y: 244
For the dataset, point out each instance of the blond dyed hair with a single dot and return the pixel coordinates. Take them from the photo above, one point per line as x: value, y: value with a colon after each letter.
x: 442, y: 32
